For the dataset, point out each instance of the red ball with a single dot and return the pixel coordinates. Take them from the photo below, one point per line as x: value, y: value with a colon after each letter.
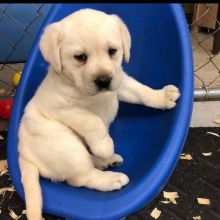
x: 5, y: 108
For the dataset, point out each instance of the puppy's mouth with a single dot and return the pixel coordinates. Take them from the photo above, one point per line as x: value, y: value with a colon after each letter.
x: 95, y: 91
x: 100, y: 91
x: 104, y: 89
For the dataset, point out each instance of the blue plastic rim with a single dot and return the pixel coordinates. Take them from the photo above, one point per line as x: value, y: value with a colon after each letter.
x: 149, y: 140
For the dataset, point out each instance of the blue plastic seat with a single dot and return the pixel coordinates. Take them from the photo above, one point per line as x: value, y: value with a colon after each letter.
x: 149, y: 140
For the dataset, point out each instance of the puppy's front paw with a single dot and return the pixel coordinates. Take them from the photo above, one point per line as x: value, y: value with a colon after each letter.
x: 103, y: 148
x: 170, y: 95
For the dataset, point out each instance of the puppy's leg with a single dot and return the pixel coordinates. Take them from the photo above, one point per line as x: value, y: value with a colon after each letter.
x: 134, y: 92
x: 101, y: 163
x: 32, y: 190
x: 100, y: 180
x: 91, y: 128
x: 81, y: 170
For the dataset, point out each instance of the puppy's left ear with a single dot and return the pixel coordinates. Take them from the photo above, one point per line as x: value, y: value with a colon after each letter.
x: 126, y: 38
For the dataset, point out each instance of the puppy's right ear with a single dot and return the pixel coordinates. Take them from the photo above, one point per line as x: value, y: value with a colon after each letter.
x: 50, y: 45
x: 126, y: 37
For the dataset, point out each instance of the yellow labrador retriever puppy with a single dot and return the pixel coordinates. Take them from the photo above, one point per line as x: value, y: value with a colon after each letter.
x: 63, y: 134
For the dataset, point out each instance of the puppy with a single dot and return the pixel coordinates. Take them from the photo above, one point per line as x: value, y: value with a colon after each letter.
x: 63, y: 133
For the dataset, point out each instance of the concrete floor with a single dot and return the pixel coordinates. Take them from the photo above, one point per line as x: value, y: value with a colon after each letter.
x: 204, y: 113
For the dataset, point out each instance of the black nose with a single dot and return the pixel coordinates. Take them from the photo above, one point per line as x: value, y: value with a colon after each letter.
x: 103, y: 82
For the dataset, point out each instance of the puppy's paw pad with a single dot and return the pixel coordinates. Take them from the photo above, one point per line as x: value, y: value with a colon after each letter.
x: 116, y: 163
x: 117, y: 160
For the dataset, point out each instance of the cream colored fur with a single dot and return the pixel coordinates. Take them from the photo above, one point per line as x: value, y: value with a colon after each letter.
x: 67, y: 113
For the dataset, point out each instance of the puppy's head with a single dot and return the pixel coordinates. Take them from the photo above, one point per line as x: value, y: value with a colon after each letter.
x: 88, y: 48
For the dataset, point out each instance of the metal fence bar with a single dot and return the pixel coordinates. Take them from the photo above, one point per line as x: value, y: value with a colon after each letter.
x: 207, y: 94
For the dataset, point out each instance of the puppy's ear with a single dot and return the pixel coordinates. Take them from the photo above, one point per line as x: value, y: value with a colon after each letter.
x: 50, y: 45
x: 126, y: 38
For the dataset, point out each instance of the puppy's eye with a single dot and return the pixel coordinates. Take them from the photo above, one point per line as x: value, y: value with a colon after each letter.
x: 82, y: 58
x: 112, y: 51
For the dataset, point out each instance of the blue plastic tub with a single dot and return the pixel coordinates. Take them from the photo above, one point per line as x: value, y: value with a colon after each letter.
x: 149, y: 140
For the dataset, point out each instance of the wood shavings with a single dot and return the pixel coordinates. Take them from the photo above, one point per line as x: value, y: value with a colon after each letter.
x: 13, y: 214
x: 212, y: 133
x: 203, y: 201
x: 197, y: 217
x: 1, y: 138
x: 208, y: 154
x: 4, y: 172
x: 3, y: 165
x: 3, y: 190
x: 217, y: 121
x: 171, y: 196
x: 166, y: 202
x: 155, y: 213
x: 24, y: 212
x: 185, y: 156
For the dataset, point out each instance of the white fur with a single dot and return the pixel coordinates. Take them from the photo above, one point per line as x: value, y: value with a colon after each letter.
x: 67, y: 113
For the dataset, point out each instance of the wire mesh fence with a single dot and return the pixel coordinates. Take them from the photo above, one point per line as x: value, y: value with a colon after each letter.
x: 19, y: 24
x: 18, y: 34
x: 204, y: 26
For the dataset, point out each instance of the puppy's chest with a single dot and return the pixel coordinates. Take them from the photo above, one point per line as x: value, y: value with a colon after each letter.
x: 104, y: 105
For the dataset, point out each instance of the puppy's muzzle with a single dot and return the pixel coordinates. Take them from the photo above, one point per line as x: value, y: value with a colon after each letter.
x: 103, y: 82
